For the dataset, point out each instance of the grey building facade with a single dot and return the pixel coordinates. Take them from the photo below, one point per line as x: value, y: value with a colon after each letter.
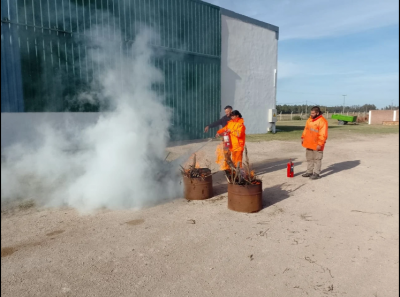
x: 204, y: 59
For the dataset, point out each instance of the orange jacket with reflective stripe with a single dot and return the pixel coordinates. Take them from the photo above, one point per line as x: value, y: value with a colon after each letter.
x: 315, y: 133
x: 238, y: 134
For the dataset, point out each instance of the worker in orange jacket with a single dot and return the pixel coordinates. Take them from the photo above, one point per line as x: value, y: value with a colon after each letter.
x: 313, y: 139
x: 237, y: 131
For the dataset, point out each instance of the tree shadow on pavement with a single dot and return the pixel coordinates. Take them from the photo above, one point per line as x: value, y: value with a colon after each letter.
x: 335, y: 168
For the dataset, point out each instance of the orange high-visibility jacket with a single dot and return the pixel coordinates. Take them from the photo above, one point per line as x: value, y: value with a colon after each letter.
x: 238, y: 134
x: 315, y: 133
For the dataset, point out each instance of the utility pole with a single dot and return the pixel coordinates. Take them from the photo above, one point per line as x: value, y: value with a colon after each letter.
x: 344, y: 100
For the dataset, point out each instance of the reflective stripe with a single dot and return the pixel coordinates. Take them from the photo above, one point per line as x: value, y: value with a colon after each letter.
x: 311, y: 129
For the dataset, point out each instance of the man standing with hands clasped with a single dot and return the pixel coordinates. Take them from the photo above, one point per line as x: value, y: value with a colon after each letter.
x: 313, y: 139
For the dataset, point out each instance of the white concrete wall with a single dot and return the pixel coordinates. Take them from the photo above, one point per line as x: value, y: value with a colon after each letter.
x: 25, y: 127
x: 248, y: 64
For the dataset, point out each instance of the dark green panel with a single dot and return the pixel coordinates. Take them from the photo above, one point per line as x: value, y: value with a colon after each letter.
x: 191, y: 84
x: 55, y: 67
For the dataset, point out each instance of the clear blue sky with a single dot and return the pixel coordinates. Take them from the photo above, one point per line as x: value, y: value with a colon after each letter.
x: 330, y: 48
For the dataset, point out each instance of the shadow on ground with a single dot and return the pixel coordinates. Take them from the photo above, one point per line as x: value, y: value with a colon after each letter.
x: 296, y: 128
x: 338, y: 167
x: 272, y: 165
x: 277, y: 193
x: 260, y: 168
x: 220, y: 184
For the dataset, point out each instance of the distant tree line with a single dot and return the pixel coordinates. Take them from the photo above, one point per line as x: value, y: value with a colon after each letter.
x: 287, y: 109
x: 390, y: 107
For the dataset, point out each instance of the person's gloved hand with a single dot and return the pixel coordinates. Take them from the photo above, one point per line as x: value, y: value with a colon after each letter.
x: 206, y: 129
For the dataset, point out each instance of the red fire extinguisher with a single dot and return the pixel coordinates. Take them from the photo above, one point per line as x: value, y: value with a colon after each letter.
x: 227, y: 141
x: 290, y: 169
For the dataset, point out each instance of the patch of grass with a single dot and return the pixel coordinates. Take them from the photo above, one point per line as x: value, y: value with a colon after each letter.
x: 292, y: 130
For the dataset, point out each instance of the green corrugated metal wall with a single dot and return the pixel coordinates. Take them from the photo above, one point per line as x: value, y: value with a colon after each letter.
x: 46, y: 32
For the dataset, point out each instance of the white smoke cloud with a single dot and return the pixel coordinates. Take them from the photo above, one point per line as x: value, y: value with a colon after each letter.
x: 119, y: 161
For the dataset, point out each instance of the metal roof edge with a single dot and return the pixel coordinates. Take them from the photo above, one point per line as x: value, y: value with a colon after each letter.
x: 205, y: 3
x: 250, y: 20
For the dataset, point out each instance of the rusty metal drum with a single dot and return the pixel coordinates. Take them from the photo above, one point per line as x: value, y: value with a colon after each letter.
x: 247, y: 198
x: 198, y: 188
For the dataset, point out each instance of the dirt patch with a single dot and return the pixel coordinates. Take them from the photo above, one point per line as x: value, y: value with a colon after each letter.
x: 135, y: 222
x: 305, y: 217
x: 7, y: 251
x: 213, y: 200
x: 26, y: 204
x: 55, y: 232
x: 337, y: 236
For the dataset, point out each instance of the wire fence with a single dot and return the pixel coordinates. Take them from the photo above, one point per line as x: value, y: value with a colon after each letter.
x: 361, y: 115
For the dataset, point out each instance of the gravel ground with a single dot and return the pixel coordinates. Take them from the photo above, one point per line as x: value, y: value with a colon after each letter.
x: 337, y: 236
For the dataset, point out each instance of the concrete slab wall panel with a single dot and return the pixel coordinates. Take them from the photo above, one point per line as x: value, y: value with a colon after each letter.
x: 248, y: 71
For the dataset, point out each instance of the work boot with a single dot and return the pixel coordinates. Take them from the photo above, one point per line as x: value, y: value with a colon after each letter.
x: 315, y: 176
x: 307, y: 174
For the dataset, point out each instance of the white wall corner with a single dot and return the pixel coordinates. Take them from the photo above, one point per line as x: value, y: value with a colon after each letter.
x: 369, y: 117
x: 394, y: 115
